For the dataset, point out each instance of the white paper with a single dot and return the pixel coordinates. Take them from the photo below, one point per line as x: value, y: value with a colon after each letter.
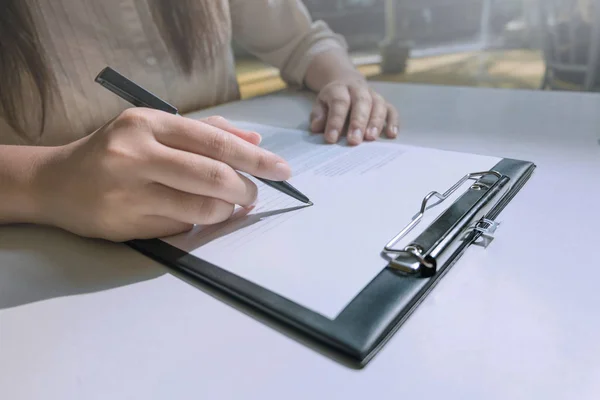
x: 322, y: 256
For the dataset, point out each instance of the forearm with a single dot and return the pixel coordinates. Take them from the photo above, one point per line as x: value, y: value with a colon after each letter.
x: 18, y: 168
x: 329, y: 66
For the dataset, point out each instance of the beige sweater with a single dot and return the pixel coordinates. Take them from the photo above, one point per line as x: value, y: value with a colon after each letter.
x: 80, y: 37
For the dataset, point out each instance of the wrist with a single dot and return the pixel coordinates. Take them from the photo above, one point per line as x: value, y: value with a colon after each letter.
x: 328, y: 67
x: 29, y: 190
x: 43, y: 188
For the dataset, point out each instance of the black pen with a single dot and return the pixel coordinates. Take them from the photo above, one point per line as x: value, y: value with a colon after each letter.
x: 140, y: 97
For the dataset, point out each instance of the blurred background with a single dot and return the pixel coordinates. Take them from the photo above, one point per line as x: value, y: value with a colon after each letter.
x: 519, y: 44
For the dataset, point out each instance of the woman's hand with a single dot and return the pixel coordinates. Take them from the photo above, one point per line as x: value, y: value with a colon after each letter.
x: 150, y: 174
x: 350, y: 99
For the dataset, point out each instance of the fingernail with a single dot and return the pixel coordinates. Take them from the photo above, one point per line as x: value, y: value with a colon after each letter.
x: 372, y: 132
x: 282, y: 171
x: 333, y: 135
x: 355, y: 135
x: 249, y: 208
x: 395, y: 130
x: 252, y: 205
x: 258, y: 136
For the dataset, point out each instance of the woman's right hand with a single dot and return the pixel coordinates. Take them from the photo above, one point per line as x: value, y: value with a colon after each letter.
x: 150, y: 174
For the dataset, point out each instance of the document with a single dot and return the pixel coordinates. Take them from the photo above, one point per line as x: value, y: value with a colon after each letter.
x: 322, y: 256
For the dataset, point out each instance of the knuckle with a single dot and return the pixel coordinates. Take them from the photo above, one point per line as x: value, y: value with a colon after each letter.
x: 359, y: 119
x: 207, y: 210
x: 361, y: 115
x: 181, y: 202
x: 379, y: 112
x: 362, y: 97
x: 218, y: 175
x: 377, y: 123
x: 220, y: 143
x: 338, y: 114
x: 377, y: 98
x: 379, y: 107
x: 341, y: 99
x: 215, y: 119
x: 134, y: 117
x: 261, y: 162
x: 377, y: 120
x: 186, y: 204
x: 335, y: 122
x: 332, y: 88
x: 214, y: 210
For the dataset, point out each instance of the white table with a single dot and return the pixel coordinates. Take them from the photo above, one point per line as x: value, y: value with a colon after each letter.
x: 82, y: 319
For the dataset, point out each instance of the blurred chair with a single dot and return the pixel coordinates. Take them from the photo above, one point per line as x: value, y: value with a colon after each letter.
x: 571, y: 40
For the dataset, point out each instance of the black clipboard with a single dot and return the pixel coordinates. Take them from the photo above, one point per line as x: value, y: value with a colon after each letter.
x: 386, y: 302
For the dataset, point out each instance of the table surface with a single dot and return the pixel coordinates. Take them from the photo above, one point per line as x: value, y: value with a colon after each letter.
x: 85, y: 319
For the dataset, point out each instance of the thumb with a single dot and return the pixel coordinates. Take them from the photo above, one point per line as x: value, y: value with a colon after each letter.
x: 224, y: 124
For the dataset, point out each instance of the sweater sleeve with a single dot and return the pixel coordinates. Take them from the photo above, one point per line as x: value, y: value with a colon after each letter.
x: 282, y: 33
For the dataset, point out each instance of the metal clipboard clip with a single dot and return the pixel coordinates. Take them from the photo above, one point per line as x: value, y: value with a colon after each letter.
x: 458, y: 226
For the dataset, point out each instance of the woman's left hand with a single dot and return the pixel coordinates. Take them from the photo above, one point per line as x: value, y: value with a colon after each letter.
x: 352, y: 100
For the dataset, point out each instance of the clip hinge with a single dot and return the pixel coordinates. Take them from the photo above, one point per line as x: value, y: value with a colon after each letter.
x: 487, y: 229
x: 412, y: 261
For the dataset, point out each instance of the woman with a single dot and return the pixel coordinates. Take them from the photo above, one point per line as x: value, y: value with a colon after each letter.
x: 101, y: 169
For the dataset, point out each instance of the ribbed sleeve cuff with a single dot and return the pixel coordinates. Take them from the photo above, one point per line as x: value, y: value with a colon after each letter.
x: 319, y: 39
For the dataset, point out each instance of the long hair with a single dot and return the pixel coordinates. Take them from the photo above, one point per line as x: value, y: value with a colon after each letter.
x: 192, y: 30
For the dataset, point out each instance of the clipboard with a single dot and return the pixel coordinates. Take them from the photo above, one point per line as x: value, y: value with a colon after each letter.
x: 362, y: 329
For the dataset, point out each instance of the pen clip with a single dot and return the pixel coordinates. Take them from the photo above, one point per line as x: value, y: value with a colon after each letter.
x: 131, y: 92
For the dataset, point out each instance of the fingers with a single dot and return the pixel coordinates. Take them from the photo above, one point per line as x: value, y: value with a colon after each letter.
x: 359, y: 117
x: 317, y: 117
x: 185, y: 207
x: 199, y: 175
x: 365, y: 110
x: 200, y: 138
x: 224, y: 124
x: 393, y: 122
x: 153, y: 226
x: 338, y: 106
x: 377, y: 118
